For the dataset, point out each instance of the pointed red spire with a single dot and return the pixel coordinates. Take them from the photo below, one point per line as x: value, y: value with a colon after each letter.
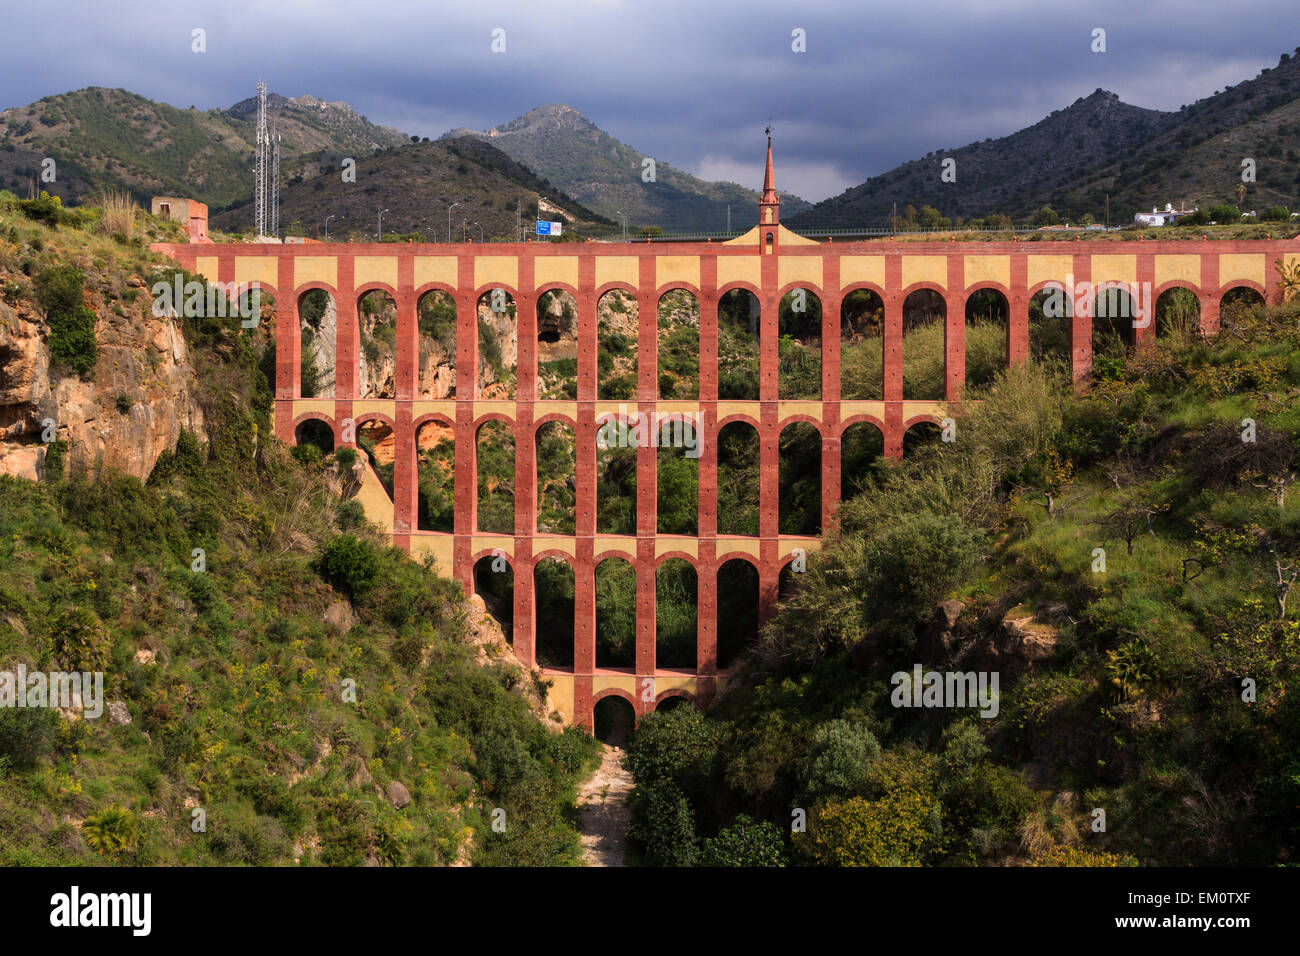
x: 769, y: 203
x: 769, y: 179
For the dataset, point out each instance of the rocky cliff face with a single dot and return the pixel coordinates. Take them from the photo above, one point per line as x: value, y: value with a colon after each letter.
x: 140, y: 396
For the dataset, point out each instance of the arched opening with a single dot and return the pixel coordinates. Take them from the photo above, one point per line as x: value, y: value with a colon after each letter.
x: 495, y: 450
x: 375, y: 439
x: 435, y: 444
x: 672, y: 702
x: 786, y: 582
x: 553, y: 594
x: 862, y: 449
x: 615, y: 613
x: 1178, y: 315
x: 318, y: 326
x: 616, y: 457
x: 799, y: 320
x: 678, y: 476
x: 679, y: 345
x: 1112, y: 326
x: 987, y: 325
x: 1051, y: 314
x: 377, y: 363
x: 1238, y: 304
x: 739, y: 330
x: 613, y: 719
x: 498, y: 344
x: 557, y: 345
x: 616, y: 335
x: 737, y: 481
x: 313, y: 431
x: 925, y: 316
x: 800, y: 451
x: 494, y: 582
x: 737, y: 609
x: 557, y: 479
x: 675, y: 614
x: 437, y: 324
x: 921, y: 435
x: 862, y: 346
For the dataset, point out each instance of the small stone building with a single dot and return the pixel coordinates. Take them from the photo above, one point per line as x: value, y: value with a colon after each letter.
x: 188, y: 212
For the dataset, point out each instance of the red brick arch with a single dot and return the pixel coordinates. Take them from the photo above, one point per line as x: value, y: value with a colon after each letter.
x: 465, y: 414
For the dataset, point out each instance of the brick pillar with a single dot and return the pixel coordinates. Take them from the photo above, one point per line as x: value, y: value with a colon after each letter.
x: 769, y: 579
x: 583, y: 704
x: 405, y: 472
x: 465, y: 491
x: 645, y: 613
x: 706, y: 620
x: 526, y: 360
x: 1144, y: 327
x: 831, y: 462
x: 525, y: 471
x: 954, y: 339
x: 584, y: 607
x: 1081, y: 324
x: 708, y: 473
x: 831, y: 308
x: 524, y: 647
x: 588, y: 347
x: 585, y: 478
x: 347, y: 344
x: 288, y: 348
x: 894, y: 299
x: 1018, y: 311
x: 769, y: 474
x: 1210, y: 293
x: 708, y: 329
x: 769, y: 352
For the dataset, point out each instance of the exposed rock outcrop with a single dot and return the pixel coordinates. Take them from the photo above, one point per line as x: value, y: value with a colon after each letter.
x: 133, y: 408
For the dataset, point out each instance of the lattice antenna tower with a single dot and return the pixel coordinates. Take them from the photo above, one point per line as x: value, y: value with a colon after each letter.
x: 262, y: 144
x: 275, y: 182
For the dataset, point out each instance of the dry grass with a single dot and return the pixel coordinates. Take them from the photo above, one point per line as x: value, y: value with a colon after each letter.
x: 120, y: 211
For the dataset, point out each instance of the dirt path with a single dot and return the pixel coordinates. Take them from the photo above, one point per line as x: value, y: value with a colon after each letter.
x: 602, y: 810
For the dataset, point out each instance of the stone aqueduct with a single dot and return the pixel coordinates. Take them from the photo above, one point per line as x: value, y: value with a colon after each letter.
x: 769, y: 261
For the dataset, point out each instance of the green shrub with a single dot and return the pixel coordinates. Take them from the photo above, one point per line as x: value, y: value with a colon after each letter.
x: 111, y: 831
x: 744, y: 843
x: 345, y: 459
x: 26, y: 735
x: 349, y: 565
x: 839, y: 759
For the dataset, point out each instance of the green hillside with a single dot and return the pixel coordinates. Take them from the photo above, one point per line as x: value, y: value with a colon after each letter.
x: 234, y: 674
x: 586, y: 162
x: 102, y: 138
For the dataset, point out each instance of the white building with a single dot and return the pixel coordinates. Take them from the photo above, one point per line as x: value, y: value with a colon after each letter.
x: 1161, y: 217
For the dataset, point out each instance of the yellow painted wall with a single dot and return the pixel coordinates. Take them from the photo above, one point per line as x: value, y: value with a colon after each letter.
x: 559, y: 697
x: 1114, y: 269
x: 436, y: 269
x: 375, y: 269
x: 1244, y: 266
x: 747, y: 546
x: 498, y: 407
x: 925, y: 269
x: 262, y: 269
x: 617, y: 269
x: 1169, y: 268
x: 740, y: 269
x: 802, y: 269
x: 862, y: 269
x: 316, y: 269
x: 555, y: 269
x: 1049, y: 269
x: 324, y: 406
x: 677, y: 269
x: 988, y: 269
x: 752, y: 409
x: 685, y: 545
x: 496, y: 270
x: 441, y: 546
x: 208, y: 266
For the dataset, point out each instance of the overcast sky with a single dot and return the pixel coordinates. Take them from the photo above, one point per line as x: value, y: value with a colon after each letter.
x: 690, y: 83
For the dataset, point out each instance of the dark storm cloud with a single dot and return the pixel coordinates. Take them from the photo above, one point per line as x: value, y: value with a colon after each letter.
x: 692, y: 84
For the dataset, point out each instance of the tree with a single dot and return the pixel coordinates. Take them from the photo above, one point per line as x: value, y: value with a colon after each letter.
x: 839, y: 761
x: 1046, y: 216
x: 744, y: 843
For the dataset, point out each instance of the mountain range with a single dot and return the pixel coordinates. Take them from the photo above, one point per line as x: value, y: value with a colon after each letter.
x: 1098, y: 147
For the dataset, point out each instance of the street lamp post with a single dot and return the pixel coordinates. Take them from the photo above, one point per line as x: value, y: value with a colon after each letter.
x: 379, y: 229
x: 327, y: 226
x: 449, y: 209
x: 624, y: 218
x: 480, y: 231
